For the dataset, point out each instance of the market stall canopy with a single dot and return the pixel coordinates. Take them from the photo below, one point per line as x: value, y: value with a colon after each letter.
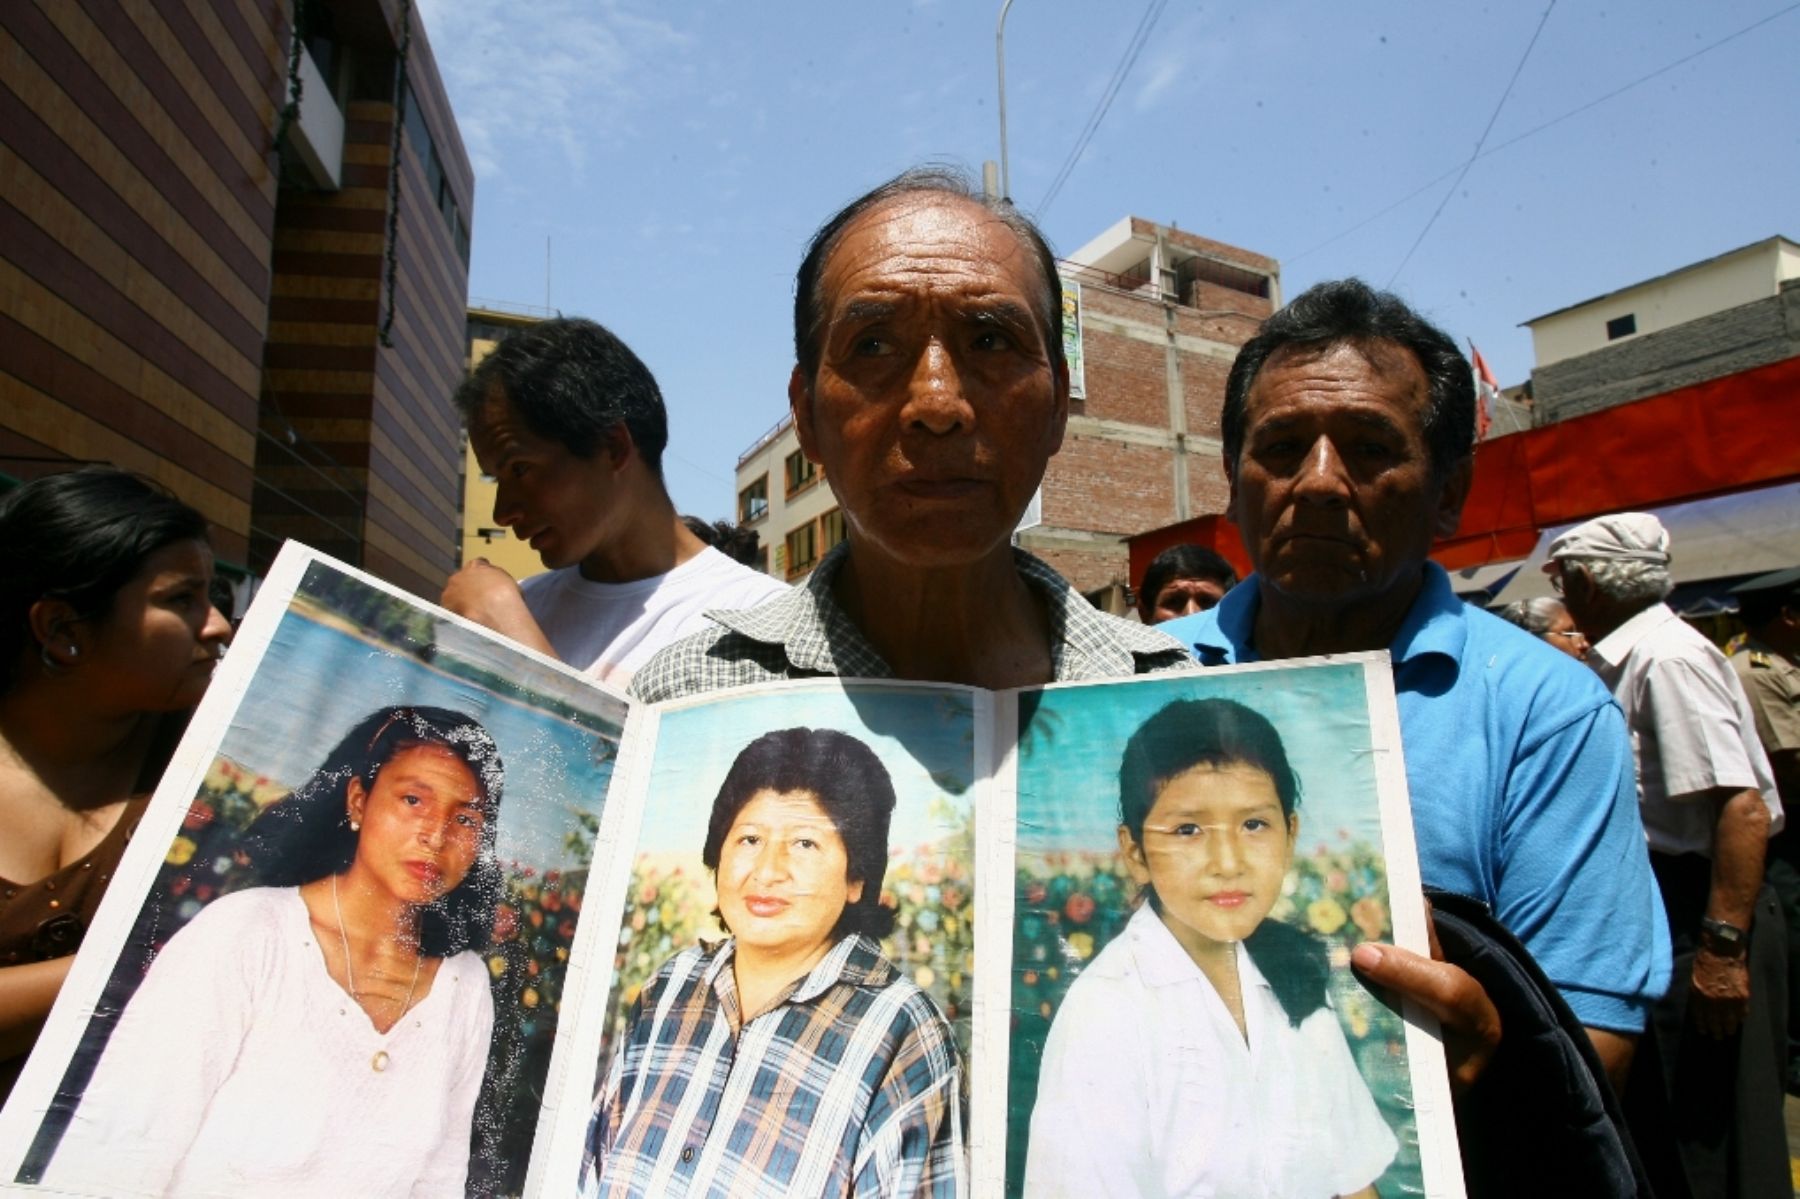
x: 1480, y: 584
x: 1728, y: 536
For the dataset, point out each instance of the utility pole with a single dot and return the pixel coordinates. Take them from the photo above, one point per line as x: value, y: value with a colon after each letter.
x: 1000, y: 60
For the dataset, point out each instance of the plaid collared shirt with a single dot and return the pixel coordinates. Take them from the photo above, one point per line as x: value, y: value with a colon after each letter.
x: 804, y: 634
x: 847, y: 1084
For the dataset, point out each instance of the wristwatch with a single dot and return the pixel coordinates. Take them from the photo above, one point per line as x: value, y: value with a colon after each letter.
x: 1727, y: 940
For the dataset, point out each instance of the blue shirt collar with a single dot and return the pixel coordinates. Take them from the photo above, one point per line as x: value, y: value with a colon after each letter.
x: 1224, y: 635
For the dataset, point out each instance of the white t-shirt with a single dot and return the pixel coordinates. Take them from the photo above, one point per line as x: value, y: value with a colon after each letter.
x: 1148, y: 1089
x: 240, y: 1068
x: 610, y: 629
x: 1692, y: 727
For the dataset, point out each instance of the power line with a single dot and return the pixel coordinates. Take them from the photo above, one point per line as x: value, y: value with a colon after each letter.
x: 1139, y: 38
x: 1537, y: 129
x: 1479, y: 143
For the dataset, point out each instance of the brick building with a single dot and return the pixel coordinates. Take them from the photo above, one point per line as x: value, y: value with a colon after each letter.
x: 1153, y: 317
x: 256, y: 301
x: 1161, y: 316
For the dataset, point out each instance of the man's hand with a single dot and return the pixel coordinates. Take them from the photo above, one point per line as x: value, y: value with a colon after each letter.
x: 1721, y: 993
x: 1470, y: 1021
x: 489, y: 596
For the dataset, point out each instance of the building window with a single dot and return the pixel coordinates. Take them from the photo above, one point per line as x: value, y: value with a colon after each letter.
x: 801, y: 473
x: 753, y: 501
x: 762, y: 559
x: 831, y: 529
x: 437, y: 181
x: 1621, y: 326
x: 802, y: 550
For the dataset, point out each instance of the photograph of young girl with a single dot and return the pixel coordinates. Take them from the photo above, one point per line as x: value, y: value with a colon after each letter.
x: 1199, y: 1032
x: 337, y: 983
x: 796, y: 1042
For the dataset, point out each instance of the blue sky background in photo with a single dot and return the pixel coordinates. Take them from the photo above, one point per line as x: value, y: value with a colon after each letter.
x: 677, y: 157
x: 925, y: 738
x: 1069, y: 764
x: 315, y: 682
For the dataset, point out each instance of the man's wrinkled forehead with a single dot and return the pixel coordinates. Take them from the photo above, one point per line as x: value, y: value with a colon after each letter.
x: 928, y: 226
x: 1388, y: 361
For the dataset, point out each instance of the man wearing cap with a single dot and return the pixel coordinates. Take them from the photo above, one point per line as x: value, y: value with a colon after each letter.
x: 1768, y: 666
x: 1705, y: 1093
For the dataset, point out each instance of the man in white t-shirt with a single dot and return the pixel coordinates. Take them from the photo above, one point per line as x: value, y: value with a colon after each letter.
x: 571, y: 426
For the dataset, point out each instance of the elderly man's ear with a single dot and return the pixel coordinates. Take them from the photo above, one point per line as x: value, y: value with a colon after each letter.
x: 800, y: 404
x: 1059, y: 368
x: 1453, y: 495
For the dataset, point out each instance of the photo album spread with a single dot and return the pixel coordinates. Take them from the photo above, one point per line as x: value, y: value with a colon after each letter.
x: 417, y: 912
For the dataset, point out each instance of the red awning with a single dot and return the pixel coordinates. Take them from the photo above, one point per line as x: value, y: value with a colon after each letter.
x: 1725, y: 435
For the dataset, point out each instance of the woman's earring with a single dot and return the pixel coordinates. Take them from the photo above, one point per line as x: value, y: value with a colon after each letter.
x: 356, y: 826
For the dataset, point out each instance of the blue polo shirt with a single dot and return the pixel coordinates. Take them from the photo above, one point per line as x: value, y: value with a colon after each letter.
x: 1523, y: 791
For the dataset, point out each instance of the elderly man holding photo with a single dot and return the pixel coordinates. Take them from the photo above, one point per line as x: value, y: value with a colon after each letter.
x: 930, y: 386
x: 1349, y: 434
x: 1349, y: 430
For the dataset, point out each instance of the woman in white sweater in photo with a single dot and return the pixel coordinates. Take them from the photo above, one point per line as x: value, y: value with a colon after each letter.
x: 326, y: 1032
x: 1198, y: 1054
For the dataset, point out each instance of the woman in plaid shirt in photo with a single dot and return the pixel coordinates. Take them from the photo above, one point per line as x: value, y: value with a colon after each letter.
x: 792, y: 1058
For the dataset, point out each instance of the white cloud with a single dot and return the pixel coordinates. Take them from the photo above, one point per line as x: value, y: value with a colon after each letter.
x: 1165, y: 71
x: 553, y: 76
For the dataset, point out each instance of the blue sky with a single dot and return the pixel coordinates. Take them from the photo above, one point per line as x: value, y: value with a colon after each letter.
x: 678, y: 157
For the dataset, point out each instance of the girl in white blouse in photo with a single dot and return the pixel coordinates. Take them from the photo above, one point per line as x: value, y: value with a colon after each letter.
x: 1197, y: 1053
x: 325, y: 1033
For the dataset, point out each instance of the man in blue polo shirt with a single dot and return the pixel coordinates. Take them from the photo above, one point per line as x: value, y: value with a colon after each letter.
x: 1348, y: 432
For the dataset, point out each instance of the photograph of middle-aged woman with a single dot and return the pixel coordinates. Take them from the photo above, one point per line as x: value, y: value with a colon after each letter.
x: 108, y: 638
x: 1197, y: 1054
x: 792, y: 1058
x: 324, y: 1033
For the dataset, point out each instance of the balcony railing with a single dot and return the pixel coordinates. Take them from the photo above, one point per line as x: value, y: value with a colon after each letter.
x: 757, y: 446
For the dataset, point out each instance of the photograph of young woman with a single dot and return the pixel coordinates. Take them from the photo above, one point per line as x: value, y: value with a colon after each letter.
x: 1196, y: 1054
x: 325, y: 1032
x: 792, y: 1058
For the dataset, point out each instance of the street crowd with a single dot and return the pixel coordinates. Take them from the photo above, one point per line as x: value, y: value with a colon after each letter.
x: 1604, y: 782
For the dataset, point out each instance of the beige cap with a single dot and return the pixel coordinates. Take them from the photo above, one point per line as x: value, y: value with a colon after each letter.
x: 1621, y: 537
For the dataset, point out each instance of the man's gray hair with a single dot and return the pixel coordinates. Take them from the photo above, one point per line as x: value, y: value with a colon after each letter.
x: 1628, y: 582
x: 1532, y: 615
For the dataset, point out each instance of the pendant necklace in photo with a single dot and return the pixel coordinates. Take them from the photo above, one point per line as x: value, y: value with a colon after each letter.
x: 380, y: 1060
